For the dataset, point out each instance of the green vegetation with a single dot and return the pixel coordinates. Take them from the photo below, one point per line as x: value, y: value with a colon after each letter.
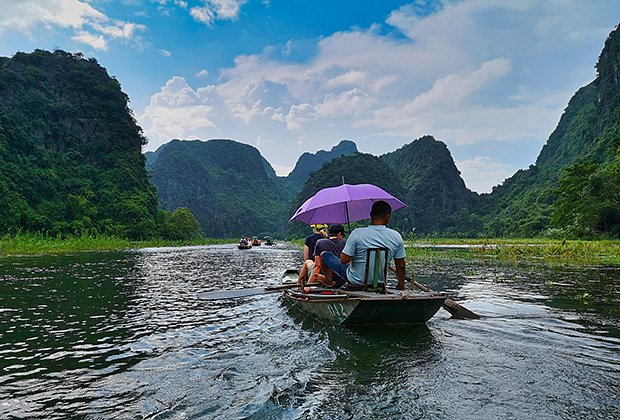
x: 437, y: 197
x: 70, y: 151
x: 70, y: 155
x: 228, y: 185
x: 604, y: 252
x: 28, y: 243
x: 573, y: 190
x: 71, y: 167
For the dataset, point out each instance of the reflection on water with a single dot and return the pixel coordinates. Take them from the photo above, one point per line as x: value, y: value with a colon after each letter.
x: 122, y: 334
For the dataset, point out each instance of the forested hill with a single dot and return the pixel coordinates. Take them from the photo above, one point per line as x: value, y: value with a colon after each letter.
x: 433, y: 185
x: 309, y: 162
x: 230, y: 188
x: 70, y: 150
x: 573, y: 189
x: 422, y: 174
x: 71, y: 162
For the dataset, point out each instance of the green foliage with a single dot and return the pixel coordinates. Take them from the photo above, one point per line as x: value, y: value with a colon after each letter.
x: 434, y: 190
x: 70, y: 150
x: 227, y: 185
x: 573, y: 188
x: 179, y: 225
x: 588, y: 201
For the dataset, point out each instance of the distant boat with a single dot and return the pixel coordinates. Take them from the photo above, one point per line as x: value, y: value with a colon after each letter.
x: 244, y: 244
x: 256, y: 241
x: 337, y: 306
x: 268, y: 240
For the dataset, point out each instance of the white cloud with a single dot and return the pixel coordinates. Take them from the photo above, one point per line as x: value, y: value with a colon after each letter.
x: 213, y: 10
x: 481, y: 173
x: 90, y: 26
x: 165, y: 53
x: 300, y: 115
x: 177, y: 111
x: 472, y: 73
x: 96, y: 41
x: 202, y: 73
x: 202, y: 14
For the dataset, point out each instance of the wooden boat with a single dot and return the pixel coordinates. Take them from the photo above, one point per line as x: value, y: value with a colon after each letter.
x: 255, y: 241
x: 244, y: 244
x: 268, y: 240
x: 336, y: 306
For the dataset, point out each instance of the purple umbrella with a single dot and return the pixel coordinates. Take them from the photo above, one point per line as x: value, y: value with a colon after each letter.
x: 343, y: 204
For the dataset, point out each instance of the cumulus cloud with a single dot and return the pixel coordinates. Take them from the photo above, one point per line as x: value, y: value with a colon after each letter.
x: 212, y: 10
x: 90, y: 26
x: 469, y: 73
x: 177, y: 111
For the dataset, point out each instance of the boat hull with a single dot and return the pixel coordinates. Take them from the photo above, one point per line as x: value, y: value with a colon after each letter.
x: 364, y: 308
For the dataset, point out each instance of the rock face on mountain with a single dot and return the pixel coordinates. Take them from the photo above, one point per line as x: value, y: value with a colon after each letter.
x: 422, y: 174
x: 433, y: 186
x: 229, y: 187
x: 574, y: 185
x: 70, y: 150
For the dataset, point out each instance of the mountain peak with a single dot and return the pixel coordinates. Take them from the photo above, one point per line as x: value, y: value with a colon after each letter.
x: 310, y: 162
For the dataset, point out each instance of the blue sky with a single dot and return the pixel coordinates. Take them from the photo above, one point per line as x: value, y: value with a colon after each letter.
x: 490, y: 78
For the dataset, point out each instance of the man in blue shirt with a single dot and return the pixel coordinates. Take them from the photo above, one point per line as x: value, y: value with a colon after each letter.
x: 352, y: 262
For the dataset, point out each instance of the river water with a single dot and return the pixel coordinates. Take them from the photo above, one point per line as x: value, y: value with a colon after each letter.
x: 124, y: 335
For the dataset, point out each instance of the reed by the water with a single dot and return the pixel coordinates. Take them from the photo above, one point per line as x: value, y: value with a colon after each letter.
x: 28, y: 243
x: 581, y: 252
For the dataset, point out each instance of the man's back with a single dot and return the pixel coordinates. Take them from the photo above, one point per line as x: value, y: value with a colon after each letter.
x: 373, y: 236
x: 334, y: 246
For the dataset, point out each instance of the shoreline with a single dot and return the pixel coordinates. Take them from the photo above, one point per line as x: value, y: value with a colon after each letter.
x: 579, y: 252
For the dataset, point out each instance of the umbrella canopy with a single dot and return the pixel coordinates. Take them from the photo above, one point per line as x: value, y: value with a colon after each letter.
x: 343, y: 204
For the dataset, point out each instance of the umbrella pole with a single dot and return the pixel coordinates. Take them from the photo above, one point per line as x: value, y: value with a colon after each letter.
x: 346, y: 206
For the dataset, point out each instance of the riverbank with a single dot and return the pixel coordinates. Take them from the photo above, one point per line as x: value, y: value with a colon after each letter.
x: 552, y: 251
x: 29, y: 244
x: 605, y: 252
x: 516, y: 250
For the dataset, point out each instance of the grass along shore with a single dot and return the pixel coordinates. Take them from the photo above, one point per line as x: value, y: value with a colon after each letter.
x: 31, y: 244
x: 602, y: 252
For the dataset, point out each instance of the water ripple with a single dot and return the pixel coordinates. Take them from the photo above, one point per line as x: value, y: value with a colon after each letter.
x: 123, y: 334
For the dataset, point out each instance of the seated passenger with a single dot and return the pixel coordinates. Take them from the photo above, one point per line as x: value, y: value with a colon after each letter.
x: 351, y: 264
x: 320, y: 232
x: 334, y: 244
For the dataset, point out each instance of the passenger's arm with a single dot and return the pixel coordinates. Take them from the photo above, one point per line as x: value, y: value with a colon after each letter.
x: 306, y: 252
x: 400, y: 272
x: 345, y: 259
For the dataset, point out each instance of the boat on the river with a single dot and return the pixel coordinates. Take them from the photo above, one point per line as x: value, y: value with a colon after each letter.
x: 337, y: 306
x: 268, y: 240
x: 245, y: 244
x: 256, y: 241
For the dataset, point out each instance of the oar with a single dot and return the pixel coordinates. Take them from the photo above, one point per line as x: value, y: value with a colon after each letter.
x: 457, y: 311
x: 232, y: 294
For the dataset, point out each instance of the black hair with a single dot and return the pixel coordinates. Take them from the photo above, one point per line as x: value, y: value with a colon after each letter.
x: 380, y: 209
